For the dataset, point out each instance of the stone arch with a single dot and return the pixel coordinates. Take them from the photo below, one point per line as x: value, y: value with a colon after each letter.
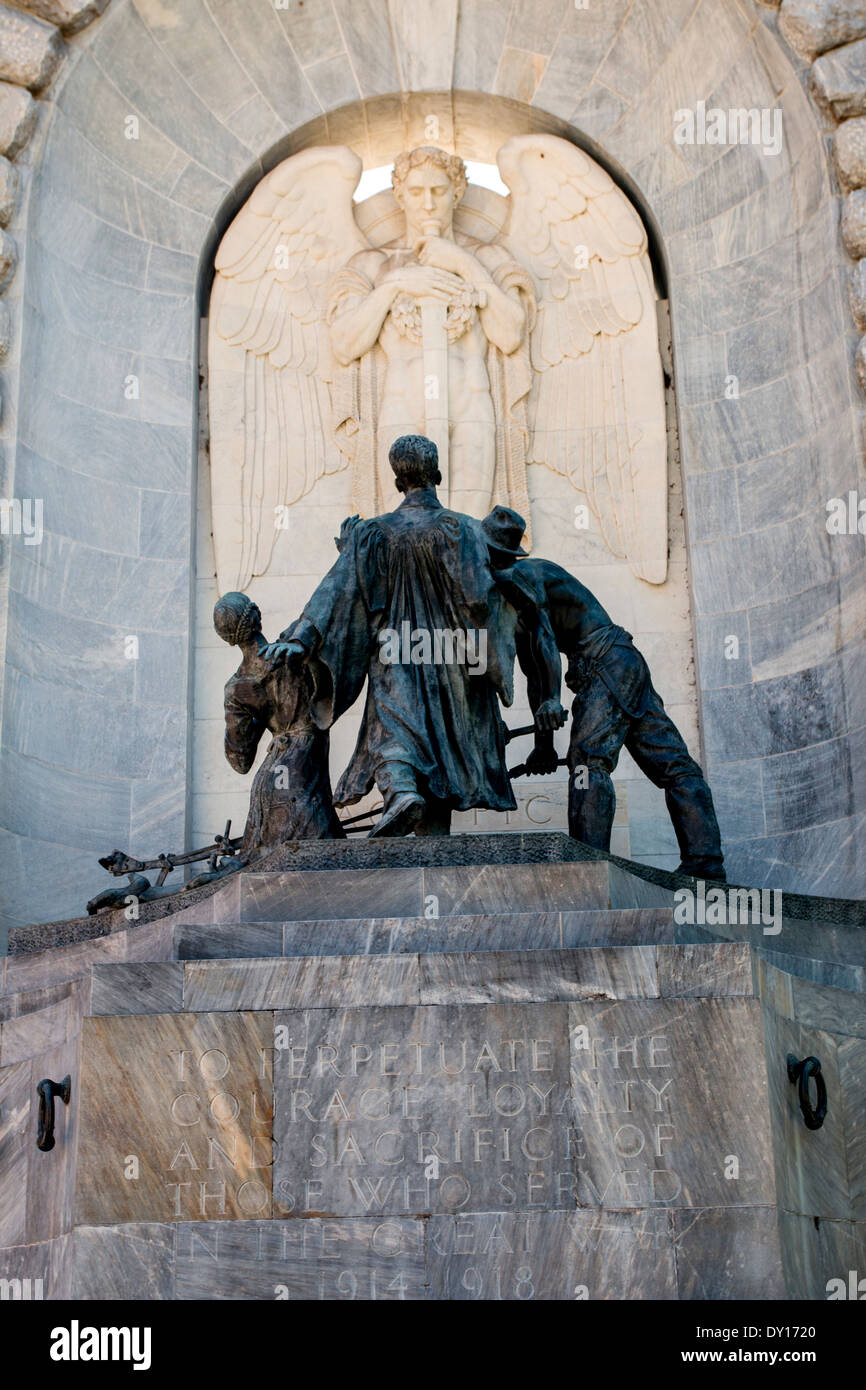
x: 466, y: 114
x: 476, y: 125
x: 113, y: 233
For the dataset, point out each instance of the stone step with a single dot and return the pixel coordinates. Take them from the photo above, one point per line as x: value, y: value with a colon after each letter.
x: 588, y: 974
x: 455, y: 890
x: 393, y: 878
x: 515, y: 931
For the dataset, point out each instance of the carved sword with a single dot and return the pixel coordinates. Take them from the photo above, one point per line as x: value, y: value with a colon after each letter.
x: 436, y: 414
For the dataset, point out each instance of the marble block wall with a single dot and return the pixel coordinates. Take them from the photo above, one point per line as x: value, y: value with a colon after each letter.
x: 819, y: 1173
x: 116, y: 232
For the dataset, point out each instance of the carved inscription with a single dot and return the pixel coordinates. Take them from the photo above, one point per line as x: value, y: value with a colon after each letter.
x: 333, y: 1260
x: 435, y: 1109
x: 625, y: 1102
x: 382, y: 1114
x: 222, y: 1122
x: 666, y: 1092
x: 176, y: 1118
x: 514, y: 1257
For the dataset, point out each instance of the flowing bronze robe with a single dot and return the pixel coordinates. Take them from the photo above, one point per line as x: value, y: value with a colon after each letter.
x: 428, y: 567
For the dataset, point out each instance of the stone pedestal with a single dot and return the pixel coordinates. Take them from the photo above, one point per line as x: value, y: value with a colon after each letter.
x: 469, y: 1104
x: 491, y: 1067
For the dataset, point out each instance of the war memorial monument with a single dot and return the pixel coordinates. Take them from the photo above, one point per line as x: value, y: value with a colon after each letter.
x: 432, y: 651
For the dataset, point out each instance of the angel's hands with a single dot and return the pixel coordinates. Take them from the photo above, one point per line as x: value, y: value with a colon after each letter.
x: 424, y: 282
x: 438, y: 251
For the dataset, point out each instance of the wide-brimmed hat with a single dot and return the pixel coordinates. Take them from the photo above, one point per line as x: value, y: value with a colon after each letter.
x: 504, y: 530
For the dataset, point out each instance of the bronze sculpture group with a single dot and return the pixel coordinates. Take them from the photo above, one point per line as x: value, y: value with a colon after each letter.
x: 431, y: 608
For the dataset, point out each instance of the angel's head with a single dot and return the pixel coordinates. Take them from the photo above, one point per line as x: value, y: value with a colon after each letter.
x: 237, y: 619
x: 428, y: 185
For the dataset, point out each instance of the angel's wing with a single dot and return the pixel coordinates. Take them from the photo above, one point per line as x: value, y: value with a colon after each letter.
x: 597, y: 407
x: 269, y: 358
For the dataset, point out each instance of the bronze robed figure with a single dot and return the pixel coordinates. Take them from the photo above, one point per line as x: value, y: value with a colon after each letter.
x: 412, y: 606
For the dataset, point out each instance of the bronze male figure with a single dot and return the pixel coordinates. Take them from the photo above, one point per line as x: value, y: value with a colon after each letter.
x: 615, y: 703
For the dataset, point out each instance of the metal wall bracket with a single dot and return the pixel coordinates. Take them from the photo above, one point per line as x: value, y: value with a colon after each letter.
x: 47, y: 1090
x: 801, y: 1072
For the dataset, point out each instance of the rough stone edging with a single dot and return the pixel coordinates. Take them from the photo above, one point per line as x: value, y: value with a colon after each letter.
x: 831, y: 36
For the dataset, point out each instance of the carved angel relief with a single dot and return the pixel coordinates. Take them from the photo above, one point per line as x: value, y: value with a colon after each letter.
x: 511, y: 330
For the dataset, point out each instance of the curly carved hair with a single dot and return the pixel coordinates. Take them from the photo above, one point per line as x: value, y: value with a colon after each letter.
x: 430, y: 154
x: 236, y: 618
x: 415, y: 461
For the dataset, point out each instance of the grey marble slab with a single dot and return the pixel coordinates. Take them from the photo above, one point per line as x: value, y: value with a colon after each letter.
x: 404, y: 1111
x: 35, y: 1032
x: 133, y: 1262
x: 808, y: 785
x: 184, y: 119
x: 777, y: 715
x: 47, y: 1266
x: 831, y: 955
x: 820, y: 1256
x: 851, y: 1061
x: 695, y: 971
x: 300, y: 982
x: 624, y: 926
x: 61, y: 963
x: 33, y: 1001
x: 773, y: 986
x: 833, y: 1010
x: 51, y: 1175
x: 134, y: 988
x: 835, y: 974
x: 726, y: 1253
x: 627, y: 972
x: 222, y: 906
x: 516, y: 887
x: 150, y: 941
x: 307, y: 1259
x: 666, y: 1092
x: 368, y: 34
x: 228, y: 939
x: 17, y: 1094
x: 476, y: 932
x: 400, y: 935
x: 330, y: 894
x: 631, y: 890
x: 811, y: 1165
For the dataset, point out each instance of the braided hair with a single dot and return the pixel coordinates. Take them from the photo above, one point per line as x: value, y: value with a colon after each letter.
x: 236, y: 619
